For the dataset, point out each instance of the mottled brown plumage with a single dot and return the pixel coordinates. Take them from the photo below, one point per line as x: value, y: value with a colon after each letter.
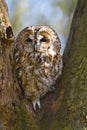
x: 38, y: 62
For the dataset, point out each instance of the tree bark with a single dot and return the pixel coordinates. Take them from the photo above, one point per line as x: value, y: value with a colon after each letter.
x: 9, y: 89
x: 63, y: 109
x: 68, y: 109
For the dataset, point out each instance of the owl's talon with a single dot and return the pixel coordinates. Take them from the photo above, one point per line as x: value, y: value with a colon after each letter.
x: 52, y: 88
x: 36, y: 103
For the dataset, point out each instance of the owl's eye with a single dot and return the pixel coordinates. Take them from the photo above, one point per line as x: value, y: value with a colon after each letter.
x: 43, y: 40
x: 29, y: 40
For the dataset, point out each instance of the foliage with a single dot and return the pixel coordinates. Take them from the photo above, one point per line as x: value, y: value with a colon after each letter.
x: 55, y: 13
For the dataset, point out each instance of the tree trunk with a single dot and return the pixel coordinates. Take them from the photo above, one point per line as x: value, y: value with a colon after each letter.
x: 63, y: 109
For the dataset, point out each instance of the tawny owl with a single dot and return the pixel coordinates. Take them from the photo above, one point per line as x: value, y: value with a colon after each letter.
x: 38, y: 61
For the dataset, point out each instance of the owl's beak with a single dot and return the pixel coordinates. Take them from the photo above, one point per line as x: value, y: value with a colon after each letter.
x: 35, y: 46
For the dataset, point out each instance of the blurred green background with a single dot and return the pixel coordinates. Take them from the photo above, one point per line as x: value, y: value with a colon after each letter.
x: 55, y: 13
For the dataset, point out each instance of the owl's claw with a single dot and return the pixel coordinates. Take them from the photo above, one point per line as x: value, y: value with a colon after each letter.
x: 52, y: 88
x: 36, y: 103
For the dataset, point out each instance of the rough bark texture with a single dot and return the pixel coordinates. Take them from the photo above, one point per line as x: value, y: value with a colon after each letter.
x: 8, y: 89
x: 63, y: 109
x: 71, y: 105
x: 68, y: 110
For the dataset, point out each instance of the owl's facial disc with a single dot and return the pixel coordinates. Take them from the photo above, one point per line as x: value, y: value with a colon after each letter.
x: 30, y: 39
x: 38, y: 40
x: 44, y: 40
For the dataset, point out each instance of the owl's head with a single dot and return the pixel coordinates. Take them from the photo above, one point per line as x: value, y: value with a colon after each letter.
x: 38, y: 38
